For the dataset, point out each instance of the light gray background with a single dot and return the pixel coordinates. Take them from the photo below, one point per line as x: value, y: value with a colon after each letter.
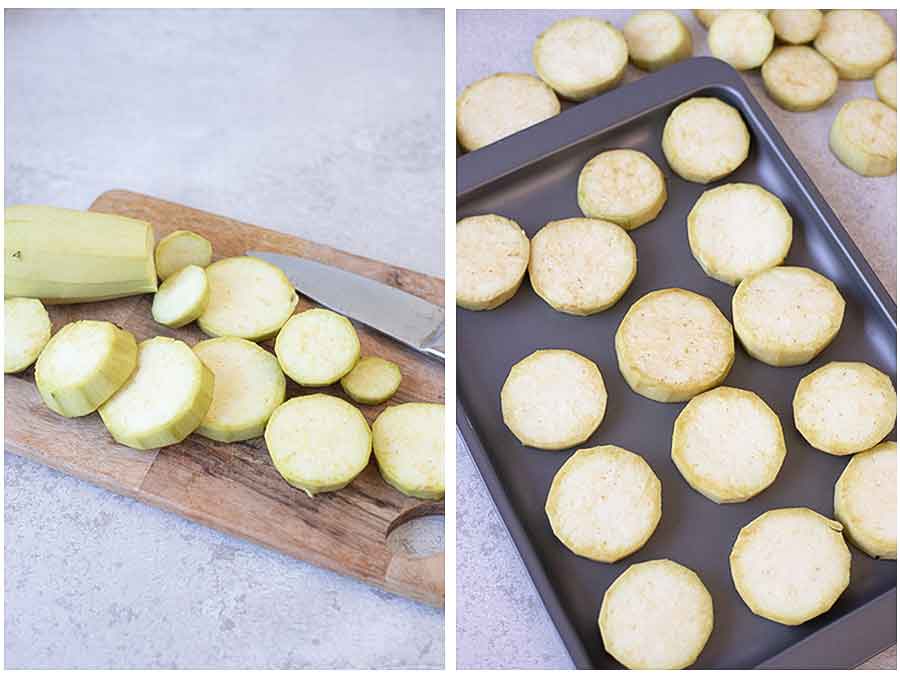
x: 501, y: 621
x: 324, y: 124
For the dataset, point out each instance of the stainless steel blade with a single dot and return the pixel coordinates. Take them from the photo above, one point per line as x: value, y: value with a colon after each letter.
x: 398, y: 314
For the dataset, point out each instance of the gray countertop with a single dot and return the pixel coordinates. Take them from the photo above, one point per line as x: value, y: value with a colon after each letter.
x: 501, y: 621
x: 327, y: 125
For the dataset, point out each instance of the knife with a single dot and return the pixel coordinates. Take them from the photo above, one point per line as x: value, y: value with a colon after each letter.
x: 415, y: 322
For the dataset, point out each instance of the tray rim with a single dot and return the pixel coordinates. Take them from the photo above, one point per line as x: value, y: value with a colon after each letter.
x: 589, y: 119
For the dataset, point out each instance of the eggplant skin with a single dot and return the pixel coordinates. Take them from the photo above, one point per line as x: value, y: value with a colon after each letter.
x: 63, y: 256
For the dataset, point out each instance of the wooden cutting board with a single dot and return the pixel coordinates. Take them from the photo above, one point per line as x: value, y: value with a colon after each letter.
x: 234, y: 487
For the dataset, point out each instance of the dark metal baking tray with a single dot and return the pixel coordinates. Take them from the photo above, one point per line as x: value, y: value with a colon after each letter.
x: 531, y: 177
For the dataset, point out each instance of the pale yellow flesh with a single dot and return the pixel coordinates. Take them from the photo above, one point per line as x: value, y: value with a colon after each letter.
x: 248, y: 298
x: 886, y: 84
x: 657, y: 39
x: 491, y: 258
x: 181, y: 298
x: 707, y: 16
x: 728, y: 444
x: 317, y: 347
x: 623, y: 186
x: 318, y: 443
x: 553, y: 399
x: 865, y: 501
x: 64, y: 256
x: 674, y: 344
x: 409, y: 447
x: 180, y: 249
x: 737, y: 230
x: 26, y: 331
x: 864, y: 137
x: 580, y: 57
x: 84, y: 364
x: 845, y: 408
x: 249, y: 385
x: 705, y: 139
x: 798, y: 78
x: 372, y: 380
x: 857, y: 42
x: 796, y: 26
x: 500, y: 105
x: 790, y: 565
x: 656, y: 615
x: 604, y: 503
x: 164, y: 400
x: 581, y: 265
x: 787, y: 315
x: 743, y: 38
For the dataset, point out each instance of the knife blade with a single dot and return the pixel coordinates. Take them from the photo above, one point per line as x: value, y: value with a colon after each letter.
x: 415, y: 322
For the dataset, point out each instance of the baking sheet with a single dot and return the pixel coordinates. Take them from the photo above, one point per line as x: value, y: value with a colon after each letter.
x: 531, y: 177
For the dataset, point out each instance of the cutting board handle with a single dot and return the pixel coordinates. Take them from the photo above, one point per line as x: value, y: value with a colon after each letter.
x: 420, y: 577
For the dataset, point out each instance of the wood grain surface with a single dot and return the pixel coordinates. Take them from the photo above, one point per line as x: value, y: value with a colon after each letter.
x: 234, y: 487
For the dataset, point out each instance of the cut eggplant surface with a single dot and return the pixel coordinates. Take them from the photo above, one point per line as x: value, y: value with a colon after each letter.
x: 248, y: 298
x: 164, y: 400
x: 83, y: 365
x: 408, y: 440
x: 249, y: 386
x: 179, y: 249
x: 26, y: 332
x: 318, y: 443
x: 317, y: 347
x: 182, y: 298
x: 372, y: 380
